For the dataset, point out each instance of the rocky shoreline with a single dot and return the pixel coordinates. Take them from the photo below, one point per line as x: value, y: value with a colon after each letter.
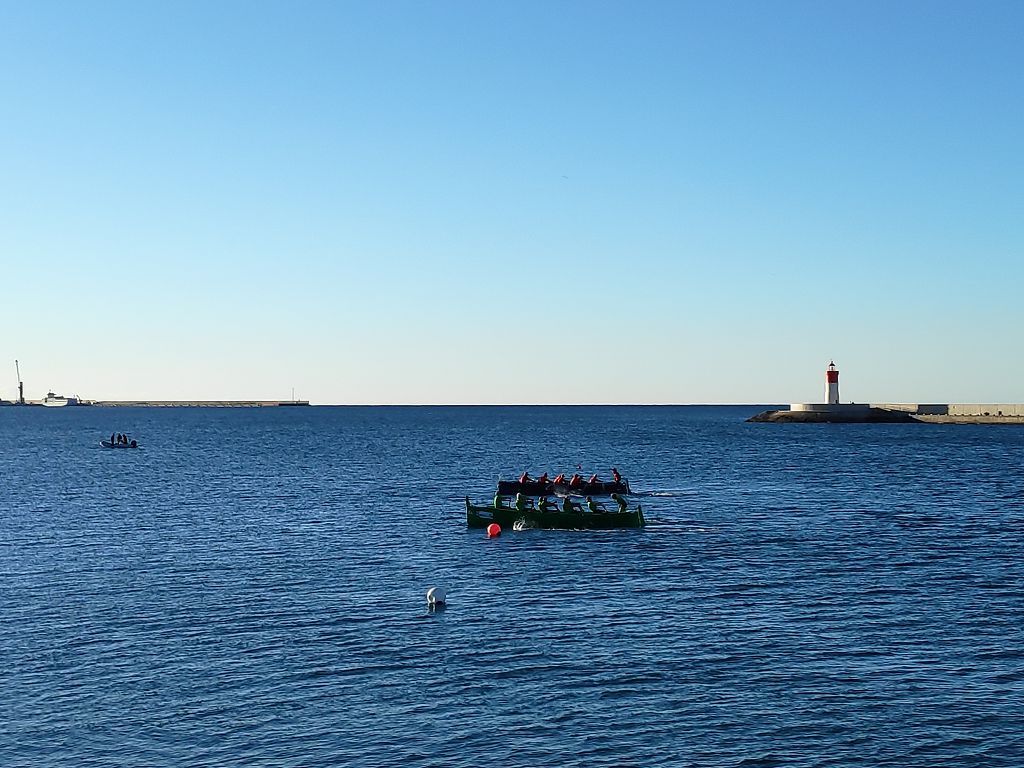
x: 867, y: 416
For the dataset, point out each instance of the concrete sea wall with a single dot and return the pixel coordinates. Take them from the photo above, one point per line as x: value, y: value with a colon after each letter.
x: 956, y: 409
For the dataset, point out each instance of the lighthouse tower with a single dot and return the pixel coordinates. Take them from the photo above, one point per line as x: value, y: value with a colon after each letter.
x: 832, y: 384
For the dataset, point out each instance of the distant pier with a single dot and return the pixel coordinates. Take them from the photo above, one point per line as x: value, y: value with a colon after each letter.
x: 199, y: 403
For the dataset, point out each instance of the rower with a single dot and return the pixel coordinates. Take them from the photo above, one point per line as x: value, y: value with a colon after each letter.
x: 594, y: 507
x: 616, y: 475
x: 520, y: 502
x: 618, y: 499
x: 499, y: 501
x: 575, y: 481
x: 593, y: 479
x: 568, y: 506
x: 544, y: 505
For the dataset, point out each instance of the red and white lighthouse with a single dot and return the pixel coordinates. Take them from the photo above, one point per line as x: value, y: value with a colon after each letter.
x: 832, y: 384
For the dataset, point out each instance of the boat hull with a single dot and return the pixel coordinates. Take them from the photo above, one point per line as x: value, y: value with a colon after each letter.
x: 108, y: 444
x: 481, y: 517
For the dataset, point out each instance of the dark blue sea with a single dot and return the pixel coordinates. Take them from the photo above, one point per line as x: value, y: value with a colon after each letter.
x: 248, y: 589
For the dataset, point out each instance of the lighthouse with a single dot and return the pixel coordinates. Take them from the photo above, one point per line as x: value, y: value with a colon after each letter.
x: 831, y: 410
x: 832, y: 384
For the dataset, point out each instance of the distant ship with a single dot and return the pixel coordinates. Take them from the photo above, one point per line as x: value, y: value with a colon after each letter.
x: 56, y: 401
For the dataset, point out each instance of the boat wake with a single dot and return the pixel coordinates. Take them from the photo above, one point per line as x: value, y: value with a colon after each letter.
x: 522, y: 524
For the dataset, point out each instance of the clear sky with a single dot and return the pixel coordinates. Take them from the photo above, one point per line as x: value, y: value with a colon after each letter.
x: 527, y: 202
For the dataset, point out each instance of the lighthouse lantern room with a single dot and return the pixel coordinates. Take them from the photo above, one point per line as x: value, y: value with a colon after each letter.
x: 832, y: 384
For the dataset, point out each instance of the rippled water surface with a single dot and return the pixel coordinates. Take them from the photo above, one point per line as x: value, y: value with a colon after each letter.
x: 248, y: 590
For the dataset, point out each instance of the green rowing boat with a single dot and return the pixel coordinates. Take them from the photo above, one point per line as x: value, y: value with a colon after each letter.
x: 507, y: 517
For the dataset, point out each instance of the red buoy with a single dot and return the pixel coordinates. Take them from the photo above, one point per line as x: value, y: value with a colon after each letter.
x: 493, y: 530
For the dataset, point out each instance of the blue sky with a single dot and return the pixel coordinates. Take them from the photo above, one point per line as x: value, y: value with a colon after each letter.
x: 513, y: 203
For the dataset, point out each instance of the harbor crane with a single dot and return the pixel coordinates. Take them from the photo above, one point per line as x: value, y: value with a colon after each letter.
x: 21, y: 385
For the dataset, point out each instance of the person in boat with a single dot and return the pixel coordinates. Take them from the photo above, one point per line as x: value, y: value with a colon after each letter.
x: 525, y: 478
x: 133, y: 444
x: 559, y: 479
x: 616, y: 475
x: 593, y: 479
x: 546, y: 506
x: 521, y: 504
x: 570, y: 507
x: 111, y: 439
x: 499, y: 501
x: 575, y: 481
x: 543, y: 479
x: 620, y: 500
x: 594, y: 507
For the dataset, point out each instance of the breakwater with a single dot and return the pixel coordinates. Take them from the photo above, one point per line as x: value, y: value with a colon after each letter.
x: 896, y: 413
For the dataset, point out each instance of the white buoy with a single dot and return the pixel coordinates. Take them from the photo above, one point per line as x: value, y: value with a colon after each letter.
x: 436, y: 596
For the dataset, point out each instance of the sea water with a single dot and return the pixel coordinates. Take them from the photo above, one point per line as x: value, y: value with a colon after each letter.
x: 248, y: 589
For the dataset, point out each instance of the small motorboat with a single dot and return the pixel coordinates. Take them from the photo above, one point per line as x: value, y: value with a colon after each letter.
x: 129, y: 444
